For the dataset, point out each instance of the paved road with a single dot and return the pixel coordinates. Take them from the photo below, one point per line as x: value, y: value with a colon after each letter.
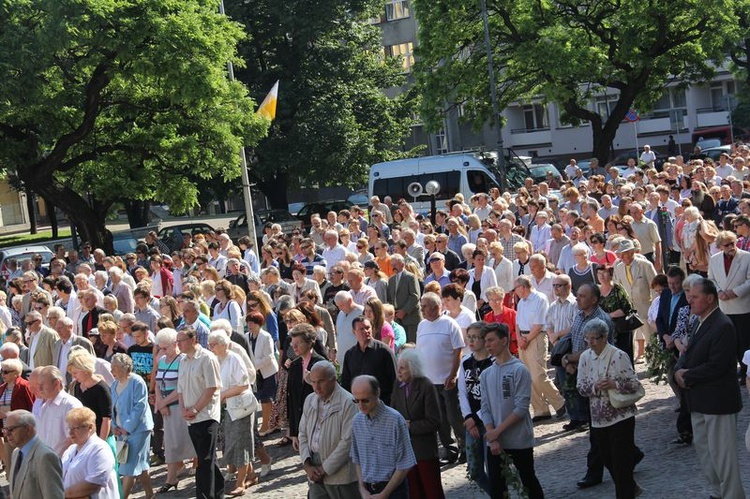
x: 560, y: 460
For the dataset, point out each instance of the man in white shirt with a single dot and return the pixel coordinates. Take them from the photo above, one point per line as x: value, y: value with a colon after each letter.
x: 440, y: 341
x: 334, y: 251
x: 540, y: 232
x: 541, y: 278
x: 560, y: 317
x: 607, y: 208
x: 648, y: 156
x: 360, y: 291
x: 348, y: 311
x: 53, y: 430
x: 483, y: 209
x: 532, y: 349
x: 217, y: 260
x: 725, y: 168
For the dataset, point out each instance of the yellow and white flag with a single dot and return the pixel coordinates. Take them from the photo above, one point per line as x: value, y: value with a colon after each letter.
x: 267, y: 108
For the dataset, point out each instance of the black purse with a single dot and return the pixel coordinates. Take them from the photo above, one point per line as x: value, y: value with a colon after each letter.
x: 563, y: 347
x: 630, y: 322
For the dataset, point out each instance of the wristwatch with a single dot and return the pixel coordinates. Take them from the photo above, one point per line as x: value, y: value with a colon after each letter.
x: 195, y: 411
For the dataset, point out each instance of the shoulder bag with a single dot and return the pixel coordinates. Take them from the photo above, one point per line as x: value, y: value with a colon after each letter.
x: 563, y: 347
x: 242, y: 405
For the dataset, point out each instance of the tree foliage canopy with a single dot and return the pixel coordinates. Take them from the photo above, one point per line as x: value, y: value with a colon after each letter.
x: 567, y: 52
x: 108, y: 100
x: 333, y: 119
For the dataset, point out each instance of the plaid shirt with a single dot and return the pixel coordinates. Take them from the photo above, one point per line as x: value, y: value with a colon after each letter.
x: 580, y: 320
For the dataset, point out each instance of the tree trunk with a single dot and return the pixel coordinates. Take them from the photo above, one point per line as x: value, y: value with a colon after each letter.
x: 275, y: 191
x: 31, y: 208
x: 52, y: 215
x: 89, y: 221
x: 138, y: 213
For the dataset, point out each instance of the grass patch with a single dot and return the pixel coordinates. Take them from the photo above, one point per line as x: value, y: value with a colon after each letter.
x: 28, y: 239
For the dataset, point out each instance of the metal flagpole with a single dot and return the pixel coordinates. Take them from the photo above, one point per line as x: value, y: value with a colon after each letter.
x: 245, y: 177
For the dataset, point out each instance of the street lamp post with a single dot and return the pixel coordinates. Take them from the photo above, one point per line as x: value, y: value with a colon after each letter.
x: 245, y: 177
x: 493, y: 95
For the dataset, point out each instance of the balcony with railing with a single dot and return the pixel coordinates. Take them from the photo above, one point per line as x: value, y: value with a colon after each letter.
x: 530, y: 136
x: 712, y: 116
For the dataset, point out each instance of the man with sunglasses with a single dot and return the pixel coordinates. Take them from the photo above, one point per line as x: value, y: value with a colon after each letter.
x: 381, y: 448
x: 35, y: 471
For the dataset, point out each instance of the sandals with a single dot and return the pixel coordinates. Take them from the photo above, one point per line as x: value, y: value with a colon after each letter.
x: 239, y: 491
x: 167, y: 487
x: 284, y: 442
x: 249, y: 482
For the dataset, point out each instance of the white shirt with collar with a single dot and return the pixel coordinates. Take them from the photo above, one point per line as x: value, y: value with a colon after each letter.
x: 51, y: 425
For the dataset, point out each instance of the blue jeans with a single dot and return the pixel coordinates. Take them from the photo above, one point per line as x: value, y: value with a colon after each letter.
x: 476, y: 459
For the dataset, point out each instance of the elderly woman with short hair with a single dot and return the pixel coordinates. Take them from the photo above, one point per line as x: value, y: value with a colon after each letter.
x: 89, y: 464
x: 177, y: 444
x: 14, y: 394
x: 132, y: 423
x: 415, y: 397
x: 238, y: 430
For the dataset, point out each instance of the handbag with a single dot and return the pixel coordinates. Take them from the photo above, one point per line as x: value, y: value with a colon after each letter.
x: 121, y: 451
x: 630, y: 322
x: 242, y: 405
x: 563, y: 347
x: 619, y: 400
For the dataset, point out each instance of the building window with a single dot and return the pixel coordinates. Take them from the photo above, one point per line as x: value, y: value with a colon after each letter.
x: 404, y: 51
x: 535, y: 117
x: 396, y: 9
x: 672, y: 104
x: 441, y: 142
x: 604, y: 105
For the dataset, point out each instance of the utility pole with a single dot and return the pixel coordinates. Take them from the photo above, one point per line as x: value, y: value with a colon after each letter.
x: 493, y: 97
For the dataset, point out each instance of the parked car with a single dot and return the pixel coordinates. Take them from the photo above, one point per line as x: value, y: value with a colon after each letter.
x: 123, y: 243
x: 238, y: 226
x: 322, y: 208
x: 715, y: 152
x: 172, y: 236
x: 539, y: 171
x: 21, y: 253
x: 359, y: 198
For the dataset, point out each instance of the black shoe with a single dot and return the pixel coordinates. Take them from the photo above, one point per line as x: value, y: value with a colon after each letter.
x: 561, y: 412
x: 588, y: 482
x: 683, y: 439
x: 543, y: 417
x: 462, y: 457
x: 573, y: 425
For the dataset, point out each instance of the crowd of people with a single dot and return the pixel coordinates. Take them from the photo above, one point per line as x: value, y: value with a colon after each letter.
x: 442, y: 333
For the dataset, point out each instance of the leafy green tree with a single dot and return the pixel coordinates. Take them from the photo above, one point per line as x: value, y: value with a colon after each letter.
x: 569, y: 52
x: 333, y: 119
x: 113, y: 100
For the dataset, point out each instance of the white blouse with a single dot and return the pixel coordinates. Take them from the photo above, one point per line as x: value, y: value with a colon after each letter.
x: 93, y: 463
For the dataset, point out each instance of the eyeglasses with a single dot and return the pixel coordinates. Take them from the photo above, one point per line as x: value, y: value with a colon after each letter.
x: 473, y: 337
x: 4, y: 371
x: 28, y: 323
x: 180, y: 340
x: 361, y: 401
x: 9, y: 429
x: 728, y: 245
x: 211, y: 345
x: 78, y: 428
x: 252, y: 304
x: 557, y: 285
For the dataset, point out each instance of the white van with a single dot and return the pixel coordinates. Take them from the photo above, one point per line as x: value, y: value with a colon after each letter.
x: 467, y: 173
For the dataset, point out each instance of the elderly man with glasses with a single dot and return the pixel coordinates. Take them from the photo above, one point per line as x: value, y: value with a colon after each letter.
x: 41, y: 340
x: 35, y: 471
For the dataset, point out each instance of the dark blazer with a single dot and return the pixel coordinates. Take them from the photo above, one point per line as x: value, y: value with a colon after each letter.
x: 297, y: 391
x: 665, y: 323
x: 422, y: 411
x: 405, y: 296
x: 711, y: 361
x: 94, y: 313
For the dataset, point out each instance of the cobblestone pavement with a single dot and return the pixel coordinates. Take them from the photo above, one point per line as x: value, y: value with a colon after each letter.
x: 560, y: 460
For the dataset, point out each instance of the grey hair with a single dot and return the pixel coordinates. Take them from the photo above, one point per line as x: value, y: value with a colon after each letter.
x: 102, y: 274
x: 596, y: 326
x: 55, y: 312
x: 166, y: 336
x: 218, y: 336
x: 25, y: 418
x: 54, y: 372
x: 34, y: 315
x: 285, y: 302
x: 433, y: 298
x: 117, y: 271
x: 12, y: 364
x: 690, y: 280
x: 123, y: 360
x: 413, y: 359
x: 10, y: 347
x: 326, y: 366
x: 222, y: 325
x: 538, y: 257
x: 342, y: 297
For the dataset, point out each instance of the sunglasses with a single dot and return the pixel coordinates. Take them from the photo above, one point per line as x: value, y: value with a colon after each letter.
x: 361, y: 401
